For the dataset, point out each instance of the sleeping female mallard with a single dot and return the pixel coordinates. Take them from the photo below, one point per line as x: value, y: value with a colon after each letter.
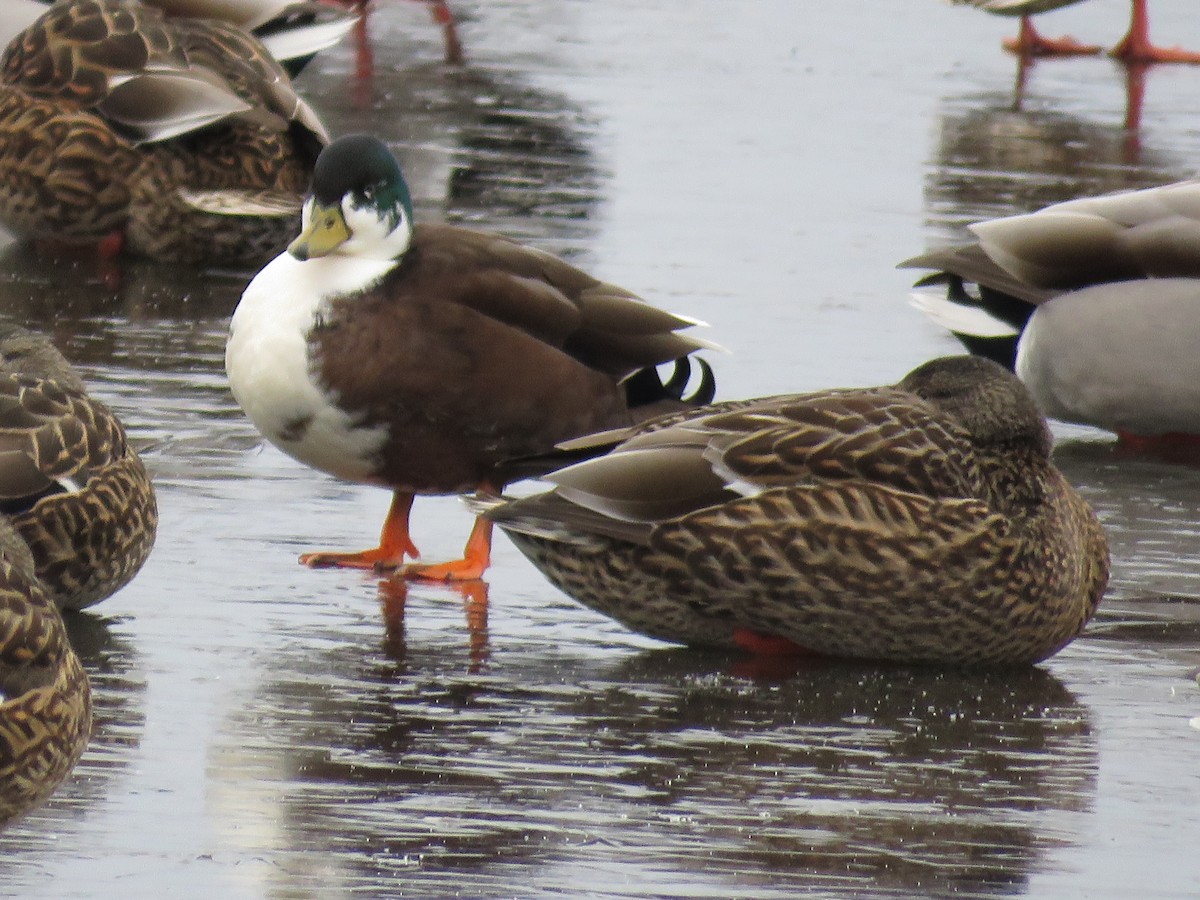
x: 420, y: 358
x: 45, y: 702
x: 1093, y: 302
x: 178, y: 139
x: 920, y: 523
x: 1135, y: 47
x: 69, y: 481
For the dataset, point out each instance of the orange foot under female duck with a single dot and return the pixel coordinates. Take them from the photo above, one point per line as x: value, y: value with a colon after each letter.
x: 1135, y: 47
x: 45, y: 701
x: 1094, y: 302
x: 175, y: 139
x: 919, y: 523
x: 70, y: 484
x: 422, y: 357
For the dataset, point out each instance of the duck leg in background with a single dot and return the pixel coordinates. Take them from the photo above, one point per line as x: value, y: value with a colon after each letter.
x: 1136, y: 47
x: 443, y: 16
x: 1029, y: 43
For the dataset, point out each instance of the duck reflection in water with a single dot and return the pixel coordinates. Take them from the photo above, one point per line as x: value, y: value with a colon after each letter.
x: 393, y: 600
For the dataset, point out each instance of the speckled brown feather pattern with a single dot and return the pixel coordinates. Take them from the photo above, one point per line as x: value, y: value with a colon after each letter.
x: 68, y: 173
x: 74, y: 489
x: 913, y: 523
x: 45, y: 701
x: 475, y: 350
x: 91, y: 542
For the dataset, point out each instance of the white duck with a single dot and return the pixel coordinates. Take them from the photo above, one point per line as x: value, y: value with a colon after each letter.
x: 1095, y: 303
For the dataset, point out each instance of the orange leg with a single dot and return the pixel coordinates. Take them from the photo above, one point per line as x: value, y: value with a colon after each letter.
x: 1136, y: 46
x: 476, y: 557
x: 394, y: 544
x: 1030, y: 43
x: 767, y: 644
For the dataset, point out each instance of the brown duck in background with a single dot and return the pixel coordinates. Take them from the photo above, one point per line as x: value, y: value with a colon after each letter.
x: 177, y: 139
x: 71, y: 485
x: 45, y: 701
x: 919, y: 523
x: 293, y: 31
x: 421, y: 358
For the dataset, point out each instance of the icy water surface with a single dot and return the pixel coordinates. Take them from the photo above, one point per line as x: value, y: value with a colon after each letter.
x: 268, y: 731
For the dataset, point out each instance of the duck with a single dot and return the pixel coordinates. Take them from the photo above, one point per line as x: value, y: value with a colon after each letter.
x: 1136, y: 47
x: 175, y: 139
x: 45, y: 698
x: 293, y: 31
x: 71, y: 485
x: 429, y: 358
x: 917, y: 523
x: 1092, y: 302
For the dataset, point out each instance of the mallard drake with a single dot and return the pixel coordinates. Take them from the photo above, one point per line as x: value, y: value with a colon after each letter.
x: 1093, y: 302
x: 421, y: 357
x: 71, y: 485
x: 1135, y: 47
x: 922, y: 523
x: 45, y: 701
x: 178, y: 139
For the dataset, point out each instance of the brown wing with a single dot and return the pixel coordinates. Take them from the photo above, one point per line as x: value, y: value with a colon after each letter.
x: 970, y: 264
x: 72, y: 51
x: 467, y: 349
x: 78, y: 495
x: 869, y: 539
x: 882, y: 436
x: 49, y: 435
x: 244, y: 64
x: 603, y: 326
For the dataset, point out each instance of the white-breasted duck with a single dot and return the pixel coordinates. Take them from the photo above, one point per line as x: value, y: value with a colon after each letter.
x: 422, y: 358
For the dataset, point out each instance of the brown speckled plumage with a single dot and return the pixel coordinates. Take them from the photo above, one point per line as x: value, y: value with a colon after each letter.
x: 75, y: 490
x: 73, y: 169
x: 919, y: 523
x: 45, y: 701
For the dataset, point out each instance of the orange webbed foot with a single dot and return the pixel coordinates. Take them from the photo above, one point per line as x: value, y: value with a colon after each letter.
x: 1029, y: 44
x: 476, y: 557
x: 377, y: 559
x: 394, y: 545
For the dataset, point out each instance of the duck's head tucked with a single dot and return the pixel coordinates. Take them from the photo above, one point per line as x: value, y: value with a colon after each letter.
x: 987, y: 399
x: 359, y: 204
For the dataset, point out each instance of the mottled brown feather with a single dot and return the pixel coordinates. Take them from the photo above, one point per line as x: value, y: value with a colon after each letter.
x: 45, y: 701
x: 89, y: 541
x: 68, y: 173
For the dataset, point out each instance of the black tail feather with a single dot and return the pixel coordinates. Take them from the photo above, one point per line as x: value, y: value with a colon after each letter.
x: 645, y: 386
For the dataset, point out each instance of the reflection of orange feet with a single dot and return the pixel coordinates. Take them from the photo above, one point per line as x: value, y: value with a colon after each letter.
x: 393, y: 597
x: 1030, y: 43
x: 477, y: 555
